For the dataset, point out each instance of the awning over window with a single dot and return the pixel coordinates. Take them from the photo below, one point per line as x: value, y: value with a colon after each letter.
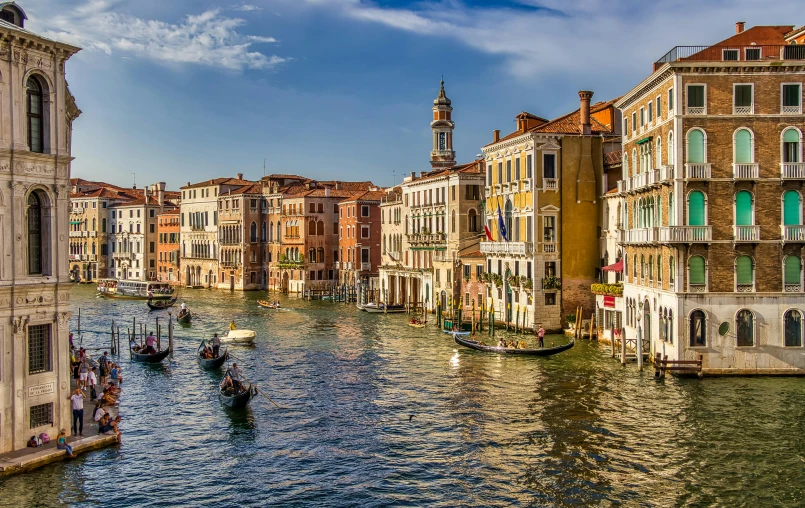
x: 615, y: 267
x: 644, y: 140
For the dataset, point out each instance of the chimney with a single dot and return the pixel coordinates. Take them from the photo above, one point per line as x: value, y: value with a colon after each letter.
x: 338, y: 185
x: 326, y: 192
x: 584, y: 111
x: 521, y: 123
x: 413, y: 175
x: 496, y: 137
x: 161, y: 193
x: 739, y: 26
x: 240, y: 176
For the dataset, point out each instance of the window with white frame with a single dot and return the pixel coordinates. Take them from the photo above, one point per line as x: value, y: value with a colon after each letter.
x: 650, y: 112
x: 670, y: 100
x: 549, y: 165
x: 791, y: 97
x: 696, y: 103
x: 634, y: 122
x: 549, y: 228
x: 729, y: 54
x: 658, y: 107
x: 743, y: 99
x: 752, y: 53
x: 364, y: 231
x: 642, y: 117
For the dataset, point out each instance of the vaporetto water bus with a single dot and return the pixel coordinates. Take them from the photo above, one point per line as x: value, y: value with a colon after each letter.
x: 135, y: 289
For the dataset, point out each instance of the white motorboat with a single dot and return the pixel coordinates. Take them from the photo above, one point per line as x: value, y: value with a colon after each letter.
x: 240, y: 336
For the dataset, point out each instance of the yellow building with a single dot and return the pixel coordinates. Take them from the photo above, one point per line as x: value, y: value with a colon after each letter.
x: 88, y: 234
x: 543, y: 183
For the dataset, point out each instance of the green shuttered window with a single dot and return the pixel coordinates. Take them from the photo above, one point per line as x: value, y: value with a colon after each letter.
x: 696, y: 271
x: 743, y: 146
x: 743, y: 267
x: 743, y: 209
x: 791, y: 208
x: 696, y: 209
x: 791, y: 148
x: 696, y: 146
x: 792, y: 269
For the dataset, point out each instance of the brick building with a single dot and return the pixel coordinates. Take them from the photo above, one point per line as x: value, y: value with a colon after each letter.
x: 168, y: 246
x: 473, y: 289
x: 359, y: 230
x: 712, y: 203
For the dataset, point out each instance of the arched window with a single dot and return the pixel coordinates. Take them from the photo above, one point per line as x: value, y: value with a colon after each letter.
x: 279, y: 231
x: 271, y: 231
x: 658, y: 155
x: 472, y: 221
x: 320, y: 255
x: 670, y: 326
x: 103, y: 225
x: 745, y: 328
x: 670, y: 156
x: 35, y: 113
x: 743, y: 209
x: 671, y: 270
x: 642, y: 266
x: 697, y: 271
x: 253, y: 232
x: 625, y: 163
x: 384, y: 245
x: 744, y: 152
x: 311, y: 228
x: 696, y: 149
x: 698, y: 329
x: 320, y: 228
x: 634, y: 161
x: 696, y: 209
x: 744, y: 273
x: 671, y: 218
x: 406, y: 224
x: 792, y: 271
x: 311, y: 255
x: 263, y: 232
x: 659, y: 268
x: 634, y: 266
x: 35, y: 244
x: 651, y: 268
x: 792, y: 324
x: 792, y: 208
x: 792, y: 145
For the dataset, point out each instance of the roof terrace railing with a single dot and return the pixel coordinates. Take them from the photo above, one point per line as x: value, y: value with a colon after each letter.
x: 738, y: 53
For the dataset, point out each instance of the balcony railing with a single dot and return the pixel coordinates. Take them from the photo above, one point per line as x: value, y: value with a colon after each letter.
x: 548, y: 247
x: 745, y: 171
x: 745, y: 288
x: 639, y: 235
x: 521, y: 248
x: 696, y: 110
x: 747, y: 233
x: 430, y: 238
x: 792, y: 288
x: 698, y: 170
x: 83, y: 234
x: 666, y: 173
x: 793, y: 234
x: 686, y: 234
x: 743, y: 110
x: 791, y: 110
x: 792, y: 170
x: 121, y: 255
x: 365, y: 267
x: 526, y: 184
x: 748, y: 53
x: 697, y: 288
x: 550, y: 183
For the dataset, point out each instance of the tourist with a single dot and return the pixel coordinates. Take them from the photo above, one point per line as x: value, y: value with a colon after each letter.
x: 114, y: 373
x: 109, y: 426
x: 232, y: 325
x: 501, y: 343
x: 150, y: 343
x: 150, y: 294
x: 83, y: 373
x: 61, y: 443
x: 541, y: 335
x: 216, y: 345
x: 234, y: 373
x: 92, y: 380
x: 76, y: 399
x: 103, y: 363
x: 99, y: 412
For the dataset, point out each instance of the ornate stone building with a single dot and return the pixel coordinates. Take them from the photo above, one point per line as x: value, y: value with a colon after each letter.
x: 35, y: 131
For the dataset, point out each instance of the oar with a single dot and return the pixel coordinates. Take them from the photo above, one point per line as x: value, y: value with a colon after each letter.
x: 263, y: 394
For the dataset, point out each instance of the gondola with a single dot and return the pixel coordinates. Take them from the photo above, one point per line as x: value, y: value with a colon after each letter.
x: 148, y: 358
x: 383, y: 308
x: 213, y: 363
x: 183, y: 319
x: 160, y: 304
x: 512, y: 351
x: 266, y: 305
x: 240, y: 400
x: 456, y: 334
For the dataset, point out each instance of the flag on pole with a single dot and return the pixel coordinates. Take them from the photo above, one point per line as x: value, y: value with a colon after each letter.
x: 488, y: 234
x: 502, y: 226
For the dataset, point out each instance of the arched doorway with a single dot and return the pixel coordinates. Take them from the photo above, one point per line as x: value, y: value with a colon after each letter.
x: 284, y: 284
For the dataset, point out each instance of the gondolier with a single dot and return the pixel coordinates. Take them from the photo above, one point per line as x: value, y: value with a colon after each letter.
x: 216, y: 344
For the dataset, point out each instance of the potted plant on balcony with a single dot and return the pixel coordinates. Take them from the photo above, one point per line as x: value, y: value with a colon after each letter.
x: 514, y: 280
x: 551, y: 282
x: 527, y: 283
x: 497, y: 280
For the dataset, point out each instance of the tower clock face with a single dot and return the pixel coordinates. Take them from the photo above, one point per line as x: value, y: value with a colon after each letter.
x: 442, y: 141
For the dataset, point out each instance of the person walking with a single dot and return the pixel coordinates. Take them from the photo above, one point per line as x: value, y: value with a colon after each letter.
x: 541, y: 335
x: 77, y: 403
x: 92, y: 380
x: 83, y: 373
x: 216, y: 345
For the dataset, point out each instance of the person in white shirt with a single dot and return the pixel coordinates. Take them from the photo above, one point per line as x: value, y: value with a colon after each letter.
x: 92, y: 380
x: 77, y: 403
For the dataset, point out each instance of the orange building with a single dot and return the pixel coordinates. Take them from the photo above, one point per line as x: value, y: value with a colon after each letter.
x: 168, y: 246
x: 359, y: 237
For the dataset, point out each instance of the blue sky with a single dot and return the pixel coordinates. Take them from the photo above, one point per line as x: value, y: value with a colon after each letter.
x: 187, y: 90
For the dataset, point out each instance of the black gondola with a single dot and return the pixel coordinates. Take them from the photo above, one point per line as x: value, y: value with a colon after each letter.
x: 148, y: 358
x: 160, y: 304
x: 183, y: 317
x: 240, y: 400
x: 512, y: 351
x: 210, y: 363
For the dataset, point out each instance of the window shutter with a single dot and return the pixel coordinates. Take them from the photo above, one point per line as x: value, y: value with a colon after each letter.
x: 696, y: 147
x: 791, y: 136
x: 792, y: 269
x: 696, y: 270
x: 743, y: 146
x: 791, y: 208
x: 744, y: 269
x: 743, y: 209
x: 791, y: 95
x: 696, y: 209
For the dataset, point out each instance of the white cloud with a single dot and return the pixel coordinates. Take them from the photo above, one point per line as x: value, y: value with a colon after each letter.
x: 248, y: 8
x: 208, y: 38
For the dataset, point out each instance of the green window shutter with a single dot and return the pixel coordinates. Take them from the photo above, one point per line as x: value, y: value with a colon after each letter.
x: 791, y: 136
x: 670, y: 208
x: 791, y: 208
x: 696, y: 209
x: 659, y: 211
x: 696, y: 147
x: 696, y: 270
x: 743, y: 146
x: 792, y: 269
x: 743, y: 209
x: 744, y: 268
x: 791, y: 95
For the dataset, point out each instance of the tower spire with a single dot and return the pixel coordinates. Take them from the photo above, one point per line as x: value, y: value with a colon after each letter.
x: 442, y: 155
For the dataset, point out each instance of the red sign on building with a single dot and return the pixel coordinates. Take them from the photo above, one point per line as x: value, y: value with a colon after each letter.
x: 609, y: 301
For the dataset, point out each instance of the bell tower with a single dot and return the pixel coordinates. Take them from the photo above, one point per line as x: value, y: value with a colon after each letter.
x: 442, y: 156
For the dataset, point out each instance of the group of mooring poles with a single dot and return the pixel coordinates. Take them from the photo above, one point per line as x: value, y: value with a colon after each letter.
x: 137, y: 335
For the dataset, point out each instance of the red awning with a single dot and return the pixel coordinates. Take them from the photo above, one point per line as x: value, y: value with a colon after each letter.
x: 616, y: 267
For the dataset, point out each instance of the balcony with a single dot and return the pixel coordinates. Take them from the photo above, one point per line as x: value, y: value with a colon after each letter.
x: 696, y: 110
x: 793, y: 234
x: 697, y: 288
x: 548, y: 247
x: 365, y: 267
x: 515, y: 187
x: 347, y: 265
x: 792, y: 170
x: 550, y: 184
x: 667, y: 173
x: 745, y: 288
x: 686, y: 234
x: 791, y: 110
x: 336, y: 265
x: 743, y: 110
x: 83, y: 257
x: 427, y: 239
x: 526, y: 184
x: 639, y: 235
x: 698, y: 171
x: 516, y: 248
x: 83, y: 234
x: 745, y: 171
x: 122, y: 255
x: 746, y: 233
x: 792, y: 288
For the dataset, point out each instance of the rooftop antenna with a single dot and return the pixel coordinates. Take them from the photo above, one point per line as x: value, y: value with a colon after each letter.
x: 135, y: 179
x: 393, y: 177
x: 264, y: 167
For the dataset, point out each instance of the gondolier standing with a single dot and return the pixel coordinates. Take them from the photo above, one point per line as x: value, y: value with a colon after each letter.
x: 541, y: 335
x: 216, y: 344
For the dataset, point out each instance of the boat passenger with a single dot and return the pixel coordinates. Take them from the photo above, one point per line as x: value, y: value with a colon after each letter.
x: 216, y: 345
x: 501, y: 343
x: 234, y: 373
x: 184, y: 307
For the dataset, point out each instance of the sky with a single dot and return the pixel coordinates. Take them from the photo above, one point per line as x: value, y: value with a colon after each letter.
x: 182, y: 91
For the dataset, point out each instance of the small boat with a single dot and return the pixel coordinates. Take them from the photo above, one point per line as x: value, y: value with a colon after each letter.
x: 240, y: 336
x: 183, y: 317
x: 210, y: 363
x: 160, y: 304
x: 267, y: 305
x: 472, y: 344
x: 455, y: 333
x: 382, y: 308
x: 236, y: 400
x: 417, y: 323
x: 147, y: 358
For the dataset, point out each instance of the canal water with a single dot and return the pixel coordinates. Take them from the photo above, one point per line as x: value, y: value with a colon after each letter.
x: 377, y: 413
